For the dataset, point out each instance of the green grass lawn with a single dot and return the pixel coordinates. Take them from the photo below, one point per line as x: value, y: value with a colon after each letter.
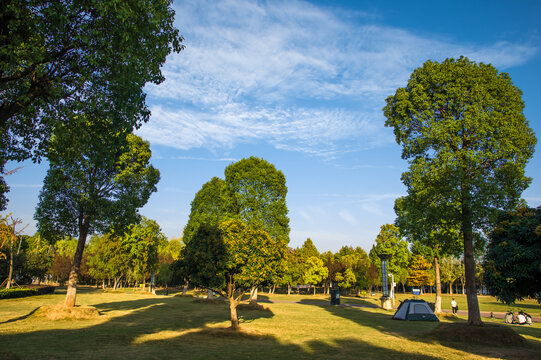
x: 139, y: 326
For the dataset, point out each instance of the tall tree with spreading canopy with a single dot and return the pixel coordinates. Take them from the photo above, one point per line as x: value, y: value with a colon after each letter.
x: 98, y: 178
x: 253, y: 191
x: 462, y: 129
x: 513, y: 259
x: 59, y: 57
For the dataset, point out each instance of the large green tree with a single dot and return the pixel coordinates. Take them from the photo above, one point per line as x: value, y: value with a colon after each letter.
x: 390, y: 241
x: 230, y: 259
x: 314, y: 272
x: 462, y: 129
x: 58, y: 57
x: 513, y: 259
x: 98, y: 178
x: 254, y: 192
x: 142, y: 241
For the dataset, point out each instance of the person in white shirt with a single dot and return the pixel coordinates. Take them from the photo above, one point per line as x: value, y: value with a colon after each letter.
x: 454, y: 306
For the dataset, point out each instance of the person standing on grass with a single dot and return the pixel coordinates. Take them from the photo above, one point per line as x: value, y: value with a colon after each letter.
x: 454, y: 306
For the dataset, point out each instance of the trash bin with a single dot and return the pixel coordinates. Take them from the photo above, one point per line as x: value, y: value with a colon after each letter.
x: 335, y: 296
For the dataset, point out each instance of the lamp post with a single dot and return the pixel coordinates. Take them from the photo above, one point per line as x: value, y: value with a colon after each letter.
x: 385, y: 299
x: 392, y: 287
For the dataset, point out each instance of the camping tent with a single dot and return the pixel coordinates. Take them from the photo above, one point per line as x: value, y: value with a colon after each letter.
x: 415, y: 310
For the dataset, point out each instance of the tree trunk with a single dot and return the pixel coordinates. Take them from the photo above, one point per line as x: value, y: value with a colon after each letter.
x: 210, y: 294
x: 450, y: 288
x: 185, y: 289
x: 233, y: 310
x: 474, y: 315
x: 253, y: 295
x: 288, y: 289
x: 437, y: 306
x: 233, y: 304
x: 273, y: 288
x: 84, y: 225
x: 10, y: 275
x: 314, y: 289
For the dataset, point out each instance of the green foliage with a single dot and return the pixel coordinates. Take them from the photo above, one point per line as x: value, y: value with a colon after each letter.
x: 259, y: 196
x: 462, y: 129
x: 419, y: 273
x: 98, y: 177
x: 347, y: 279
x: 314, y: 271
x: 109, y: 256
x: 212, y: 205
x: 389, y: 241
x: 292, y: 274
x: 233, y: 255
x: 513, y: 259
x: 24, y: 292
x: 142, y: 242
x: 450, y: 268
x: 308, y: 249
x: 58, y: 58
x: 355, y: 260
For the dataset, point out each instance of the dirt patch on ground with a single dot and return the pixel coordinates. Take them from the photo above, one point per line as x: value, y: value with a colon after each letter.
x: 488, y: 334
x: 61, y: 312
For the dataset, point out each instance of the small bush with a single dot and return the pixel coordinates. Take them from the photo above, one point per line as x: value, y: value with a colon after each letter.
x: 17, y: 293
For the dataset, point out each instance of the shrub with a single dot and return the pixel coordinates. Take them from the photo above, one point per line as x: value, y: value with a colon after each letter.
x: 24, y: 292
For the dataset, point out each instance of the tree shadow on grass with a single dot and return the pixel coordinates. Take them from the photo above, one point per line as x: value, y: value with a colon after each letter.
x: 173, y: 328
x: 121, y: 324
x: 419, y: 331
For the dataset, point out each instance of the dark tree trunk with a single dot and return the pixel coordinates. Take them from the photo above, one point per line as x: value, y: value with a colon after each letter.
x: 84, y: 225
x: 474, y: 315
x: 438, y: 285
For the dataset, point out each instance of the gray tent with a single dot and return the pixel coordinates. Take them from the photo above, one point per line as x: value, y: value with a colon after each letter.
x: 415, y: 310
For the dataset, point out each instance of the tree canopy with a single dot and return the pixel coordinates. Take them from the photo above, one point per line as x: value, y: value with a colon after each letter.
x: 513, y: 259
x: 231, y: 258
x: 462, y: 129
x: 59, y: 58
x: 259, y: 191
x: 390, y: 241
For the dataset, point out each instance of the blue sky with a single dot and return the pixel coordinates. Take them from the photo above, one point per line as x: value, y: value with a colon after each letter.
x: 302, y: 84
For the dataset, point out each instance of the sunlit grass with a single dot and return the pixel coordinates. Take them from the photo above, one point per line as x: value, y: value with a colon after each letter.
x: 134, y: 326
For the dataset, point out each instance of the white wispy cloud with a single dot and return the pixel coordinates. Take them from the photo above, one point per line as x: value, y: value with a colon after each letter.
x: 292, y: 74
x: 347, y: 217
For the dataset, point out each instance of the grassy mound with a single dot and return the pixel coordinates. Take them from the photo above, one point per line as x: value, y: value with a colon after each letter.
x: 209, y: 301
x: 61, y: 312
x: 488, y: 334
x: 252, y: 307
